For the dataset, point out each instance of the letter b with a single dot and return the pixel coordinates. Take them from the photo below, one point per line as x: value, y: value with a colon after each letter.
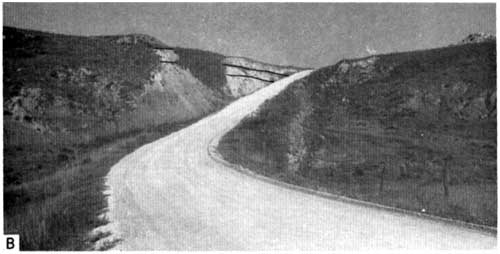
x: 10, y: 243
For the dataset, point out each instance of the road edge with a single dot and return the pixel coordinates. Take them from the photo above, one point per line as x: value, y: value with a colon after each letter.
x: 216, y: 156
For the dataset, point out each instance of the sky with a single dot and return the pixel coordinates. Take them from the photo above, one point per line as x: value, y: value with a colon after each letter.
x: 300, y: 34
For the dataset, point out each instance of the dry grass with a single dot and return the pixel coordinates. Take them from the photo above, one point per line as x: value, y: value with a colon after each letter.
x: 56, y: 212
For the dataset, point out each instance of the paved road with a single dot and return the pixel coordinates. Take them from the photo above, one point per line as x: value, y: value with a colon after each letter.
x: 171, y: 195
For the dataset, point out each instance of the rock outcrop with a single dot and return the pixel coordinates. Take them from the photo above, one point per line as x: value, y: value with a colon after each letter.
x: 351, y: 72
x: 478, y: 38
x: 296, y: 132
x: 167, y: 55
x: 133, y: 39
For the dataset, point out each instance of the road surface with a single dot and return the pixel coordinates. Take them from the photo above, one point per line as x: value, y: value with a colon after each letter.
x: 171, y: 195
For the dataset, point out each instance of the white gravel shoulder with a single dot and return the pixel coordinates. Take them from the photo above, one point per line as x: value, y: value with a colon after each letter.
x: 171, y: 195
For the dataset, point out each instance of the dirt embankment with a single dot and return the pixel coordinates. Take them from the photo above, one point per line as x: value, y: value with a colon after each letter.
x: 414, y: 130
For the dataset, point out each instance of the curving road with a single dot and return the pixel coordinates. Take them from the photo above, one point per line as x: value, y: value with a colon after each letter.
x: 171, y: 195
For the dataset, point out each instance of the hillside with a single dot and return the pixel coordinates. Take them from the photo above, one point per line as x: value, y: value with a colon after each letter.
x: 66, y: 97
x: 414, y: 130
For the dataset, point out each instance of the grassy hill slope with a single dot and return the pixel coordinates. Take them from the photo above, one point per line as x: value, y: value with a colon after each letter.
x: 414, y: 130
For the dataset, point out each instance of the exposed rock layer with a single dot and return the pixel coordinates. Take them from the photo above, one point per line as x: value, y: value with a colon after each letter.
x: 244, y: 76
x: 259, y: 66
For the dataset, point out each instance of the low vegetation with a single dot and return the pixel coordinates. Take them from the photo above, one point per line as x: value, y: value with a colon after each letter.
x: 57, y: 211
x: 414, y: 130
